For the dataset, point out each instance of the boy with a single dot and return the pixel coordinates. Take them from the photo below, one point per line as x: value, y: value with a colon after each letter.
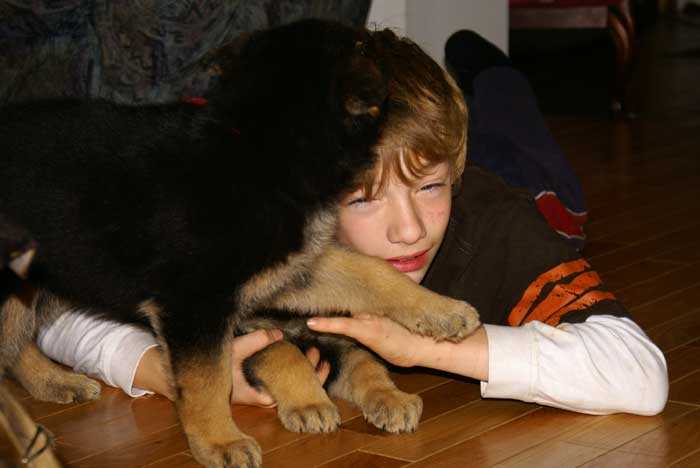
x: 553, y: 334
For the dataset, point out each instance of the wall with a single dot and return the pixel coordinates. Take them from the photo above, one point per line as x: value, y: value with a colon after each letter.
x: 430, y: 23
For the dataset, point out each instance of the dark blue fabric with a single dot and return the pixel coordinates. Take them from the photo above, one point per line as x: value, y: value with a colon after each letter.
x: 509, y: 137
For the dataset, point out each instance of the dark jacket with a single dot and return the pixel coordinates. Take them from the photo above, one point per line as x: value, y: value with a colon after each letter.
x: 500, y: 255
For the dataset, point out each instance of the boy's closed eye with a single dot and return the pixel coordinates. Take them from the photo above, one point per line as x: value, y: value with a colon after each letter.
x: 358, y: 201
x: 433, y: 186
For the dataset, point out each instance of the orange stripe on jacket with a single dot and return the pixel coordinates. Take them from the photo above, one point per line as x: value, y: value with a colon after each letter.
x: 562, y: 295
x: 582, y: 302
x: 535, y: 289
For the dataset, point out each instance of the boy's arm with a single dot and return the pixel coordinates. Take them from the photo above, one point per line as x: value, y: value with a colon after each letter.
x: 107, y: 350
x: 604, y: 365
x: 128, y: 357
x: 151, y: 374
x: 396, y: 345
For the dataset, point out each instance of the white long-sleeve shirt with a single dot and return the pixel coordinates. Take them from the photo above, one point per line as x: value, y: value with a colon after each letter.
x: 603, y: 365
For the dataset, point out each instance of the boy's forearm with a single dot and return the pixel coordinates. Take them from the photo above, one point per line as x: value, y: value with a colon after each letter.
x: 151, y: 375
x: 469, y: 357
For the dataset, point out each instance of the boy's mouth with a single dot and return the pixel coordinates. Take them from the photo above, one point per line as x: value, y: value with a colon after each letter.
x: 408, y: 263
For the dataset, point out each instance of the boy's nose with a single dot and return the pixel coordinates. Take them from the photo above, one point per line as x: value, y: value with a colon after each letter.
x: 406, y: 226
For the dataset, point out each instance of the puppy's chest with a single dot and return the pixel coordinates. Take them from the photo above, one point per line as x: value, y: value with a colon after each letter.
x: 295, y: 271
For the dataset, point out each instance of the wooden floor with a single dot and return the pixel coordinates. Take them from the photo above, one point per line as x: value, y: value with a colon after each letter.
x: 642, y: 180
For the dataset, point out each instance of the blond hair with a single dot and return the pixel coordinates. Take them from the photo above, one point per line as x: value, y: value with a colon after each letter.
x: 426, y: 119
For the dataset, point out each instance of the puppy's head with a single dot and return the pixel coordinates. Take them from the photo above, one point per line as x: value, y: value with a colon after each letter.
x: 307, y: 103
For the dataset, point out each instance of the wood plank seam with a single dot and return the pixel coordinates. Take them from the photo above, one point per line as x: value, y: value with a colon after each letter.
x: 663, y: 297
x: 432, y: 387
x: 678, y: 318
x: 696, y: 405
x: 363, y: 451
x: 696, y: 371
x: 185, y: 453
x: 680, y: 460
x: 291, y: 442
x: 473, y: 436
x: 642, y: 241
x: 122, y: 446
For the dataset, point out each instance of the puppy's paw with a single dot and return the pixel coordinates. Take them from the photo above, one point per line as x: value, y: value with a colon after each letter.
x: 241, y: 453
x: 69, y: 387
x: 318, y: 417
x: 452, y: 321
x: 393, y: 410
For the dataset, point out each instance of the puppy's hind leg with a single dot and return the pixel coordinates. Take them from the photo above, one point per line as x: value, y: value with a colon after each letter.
x: 302, y: 404
x: 47, y: 381
x: 366, y: 382
x: 41, y: 377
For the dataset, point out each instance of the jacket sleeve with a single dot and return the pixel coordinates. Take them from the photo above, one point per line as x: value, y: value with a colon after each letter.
x: 603, y: 365
x: 100, y: 348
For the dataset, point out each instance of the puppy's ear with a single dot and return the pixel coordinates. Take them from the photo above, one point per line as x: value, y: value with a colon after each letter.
x: 17, y: 249
x: 21, y: 262
x: 362, y: 91
x: 224, y: 61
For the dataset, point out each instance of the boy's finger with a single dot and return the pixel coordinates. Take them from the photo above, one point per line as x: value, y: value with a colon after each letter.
x: 264, y: 400
x: 323, y: 371
x: 361, y: 329
x: 251, y: 343
x: 341, y: 325
x: 252, y: 397
x: 313, y: 355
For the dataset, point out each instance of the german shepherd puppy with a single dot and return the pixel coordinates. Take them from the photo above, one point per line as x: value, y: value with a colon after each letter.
x: 206, y: 221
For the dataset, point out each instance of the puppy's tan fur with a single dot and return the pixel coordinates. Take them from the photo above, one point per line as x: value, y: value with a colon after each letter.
x: 344, y: 280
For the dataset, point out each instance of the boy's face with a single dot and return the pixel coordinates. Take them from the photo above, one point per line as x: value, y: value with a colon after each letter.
x: 404, y: 224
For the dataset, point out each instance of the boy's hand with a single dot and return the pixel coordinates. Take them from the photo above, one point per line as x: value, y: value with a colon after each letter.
x: 151, y: 371
x: 245, y: 346
x: 388, y: 339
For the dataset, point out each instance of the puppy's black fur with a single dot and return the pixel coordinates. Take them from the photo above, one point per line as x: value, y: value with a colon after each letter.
x: 191, y: 200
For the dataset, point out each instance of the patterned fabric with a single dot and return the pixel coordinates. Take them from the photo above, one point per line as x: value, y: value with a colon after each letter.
x: 133, y: 51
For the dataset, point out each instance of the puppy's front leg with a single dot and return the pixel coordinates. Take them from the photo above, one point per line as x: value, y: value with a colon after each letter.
x: 302, y: 404
x: 198, y: 349
x: 364, y: 381
x: 344, y: 280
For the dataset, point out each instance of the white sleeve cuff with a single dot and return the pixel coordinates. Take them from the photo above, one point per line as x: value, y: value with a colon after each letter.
x: 511, y: 363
